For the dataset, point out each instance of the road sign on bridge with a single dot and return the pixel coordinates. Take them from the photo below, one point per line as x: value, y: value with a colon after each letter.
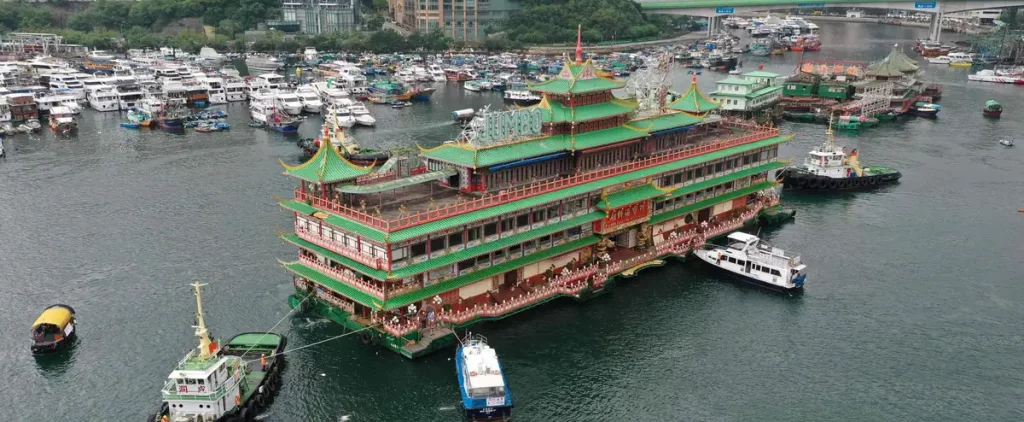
x: 725, y: 10
x: 924, y: 5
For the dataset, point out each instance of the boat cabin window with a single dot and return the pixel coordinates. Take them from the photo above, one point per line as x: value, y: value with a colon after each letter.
x: 731, y: 260
x: 487, y: 392
x: 776, y: 273
x: 737, y: 246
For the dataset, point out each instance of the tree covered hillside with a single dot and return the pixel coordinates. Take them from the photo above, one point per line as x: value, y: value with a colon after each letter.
x: 555, y: 21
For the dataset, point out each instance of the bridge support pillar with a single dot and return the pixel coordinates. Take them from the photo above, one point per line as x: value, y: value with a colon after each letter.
x: 711, y: 25
x: 935, y: 29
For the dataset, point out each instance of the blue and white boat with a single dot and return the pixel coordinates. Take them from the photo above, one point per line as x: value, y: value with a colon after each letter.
x: 757, y: 262
x: 485, y: 395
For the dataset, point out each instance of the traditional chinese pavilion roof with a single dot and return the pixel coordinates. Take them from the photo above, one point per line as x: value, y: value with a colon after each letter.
x: 631, y: 195
x: 895, y: 64
x: 326, y: 166
x: 468, y: 156
x: 577, y: 79
x: 553, y: 111
x: 694, y: 102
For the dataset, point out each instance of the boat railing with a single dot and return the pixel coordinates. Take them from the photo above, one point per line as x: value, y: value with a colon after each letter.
x: 487, y: 201
x: 345, y: 277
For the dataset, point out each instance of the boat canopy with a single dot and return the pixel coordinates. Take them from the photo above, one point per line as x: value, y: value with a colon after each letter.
x: 992, y: 104
x: 57, y: 315
x: 742, y: 237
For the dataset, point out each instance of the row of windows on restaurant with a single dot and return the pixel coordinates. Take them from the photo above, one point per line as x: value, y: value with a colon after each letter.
x: 683, y: 200
x: 713, y: 168
x: 512, y: 223
x: 500, y: 255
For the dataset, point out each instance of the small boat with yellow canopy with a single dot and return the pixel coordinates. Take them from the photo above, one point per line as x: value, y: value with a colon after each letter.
x: 54, y: 329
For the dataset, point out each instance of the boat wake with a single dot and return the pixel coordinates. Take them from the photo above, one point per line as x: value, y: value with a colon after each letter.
x: 446, y: 408
x: 344, y: 418
x: 309, y: 323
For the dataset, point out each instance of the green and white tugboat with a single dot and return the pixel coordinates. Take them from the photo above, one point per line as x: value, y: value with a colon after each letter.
x: 831, y: 168
x: 222, y: 383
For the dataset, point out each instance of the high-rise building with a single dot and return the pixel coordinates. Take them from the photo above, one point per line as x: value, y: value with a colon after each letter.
x: 459, y: 19
x: 321, y: 16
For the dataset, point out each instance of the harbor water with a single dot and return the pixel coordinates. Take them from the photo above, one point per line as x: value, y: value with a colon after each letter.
x: 912, y: 310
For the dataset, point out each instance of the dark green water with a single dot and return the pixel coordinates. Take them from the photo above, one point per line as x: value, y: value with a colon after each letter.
x: 912, y: 311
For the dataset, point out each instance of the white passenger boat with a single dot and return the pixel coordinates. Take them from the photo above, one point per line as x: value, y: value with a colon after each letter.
x: 215, y: 89
x: 757, y: 262
x: 128, y: 95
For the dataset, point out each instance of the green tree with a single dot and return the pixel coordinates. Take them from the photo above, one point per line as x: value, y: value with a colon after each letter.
x: 227, y: 27
x: 380, y: 4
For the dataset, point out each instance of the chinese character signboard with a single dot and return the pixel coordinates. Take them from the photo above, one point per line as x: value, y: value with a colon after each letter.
x: 628, y: 215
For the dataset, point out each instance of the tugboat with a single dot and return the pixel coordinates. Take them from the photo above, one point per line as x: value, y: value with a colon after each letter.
x: 54, y: 328
x: 828, y: 167
x: 481, y: 381
x: 229, y: 383
x: 756, y: 262
x: 344, y: 144
x: 992, y: 109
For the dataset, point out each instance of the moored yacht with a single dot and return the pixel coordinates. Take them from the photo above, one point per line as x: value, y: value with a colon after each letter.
x: 289, y: 102
x: 215, y: 90
x: 103, y: 98
x: 128, y: 95
x: 265, y: 81
x: 235, y: 89
x: 757, y: 262
x: 310, y: 99
x: 361, y: 114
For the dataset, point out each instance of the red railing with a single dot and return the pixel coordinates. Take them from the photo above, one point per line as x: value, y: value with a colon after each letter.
x: 757, y: 133
x: 333, y: 246
x: 346, y: 278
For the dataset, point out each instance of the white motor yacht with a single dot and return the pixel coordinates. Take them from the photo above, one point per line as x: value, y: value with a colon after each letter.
x: 215, y: 90
x: 437, y: 73
x: 235, y: 89
x: 310, y: 99
x: 102, y: 98
x: 343, y: 117
x: 361, y: 114
x: 128, y: 95
x: 289, y: 102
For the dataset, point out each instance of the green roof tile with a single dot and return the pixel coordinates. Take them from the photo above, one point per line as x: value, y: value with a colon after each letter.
x: 341, y: 288
x: 326, y: 166
x: 600, y: 138
x: 694, y: 102
x: 565, y: 86
x: 765, y: 90
x: 665, y: 216
x: 464, y: 280
x: 668, y: 121
x: 761, y: 74
x: 467, y: 156
x: 553, y: 111
x: 629, y: 196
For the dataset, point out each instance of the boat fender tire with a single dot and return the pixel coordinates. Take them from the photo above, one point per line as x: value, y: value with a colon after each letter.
x: 812, y: 184
x: 847, y: 183
x: 364, y: 337
x: 873, y: 181
x: 243, y: 415
x: 832, y: 184
x: 251, y: 410
x: 261, y: 399
x: 801, y: 183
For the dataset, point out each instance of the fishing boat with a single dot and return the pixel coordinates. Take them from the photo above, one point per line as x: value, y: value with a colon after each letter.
x: 232, y: 382
x: 62, y: 120
x: 485, y: 394
x: 754, y: 261
x: 139, y: 117
x: 924, y: 109
x: 992, y: 109
x: 54, y: 329
x: 472, y: 86
x: 828, y: 167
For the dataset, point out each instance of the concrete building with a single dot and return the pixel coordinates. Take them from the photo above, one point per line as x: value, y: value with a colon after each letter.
x: 982, y: 16
x: 321, y: 16
x: 459, y: 19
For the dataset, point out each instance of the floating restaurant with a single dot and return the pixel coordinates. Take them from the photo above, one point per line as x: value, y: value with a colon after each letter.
x: 558, y: 199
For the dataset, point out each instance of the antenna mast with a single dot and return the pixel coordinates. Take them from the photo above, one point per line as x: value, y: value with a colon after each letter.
x: 201, y: 331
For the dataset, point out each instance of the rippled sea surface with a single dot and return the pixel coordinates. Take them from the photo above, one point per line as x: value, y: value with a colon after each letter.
x: 912, y: 310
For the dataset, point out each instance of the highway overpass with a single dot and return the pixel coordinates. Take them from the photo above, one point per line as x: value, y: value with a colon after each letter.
x: 715, y: 9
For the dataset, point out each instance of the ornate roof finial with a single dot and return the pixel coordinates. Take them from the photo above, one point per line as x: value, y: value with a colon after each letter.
x: 579, y: 44
x: 694, y: 78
